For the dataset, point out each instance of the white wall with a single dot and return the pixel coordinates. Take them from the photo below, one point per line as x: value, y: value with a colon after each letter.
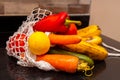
x: 106, y: 14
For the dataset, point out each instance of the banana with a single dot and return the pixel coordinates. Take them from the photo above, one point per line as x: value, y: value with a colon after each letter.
x: 90, y: 43
x: 91, y: 30
x: 93, y: 39
x: 96, y: 52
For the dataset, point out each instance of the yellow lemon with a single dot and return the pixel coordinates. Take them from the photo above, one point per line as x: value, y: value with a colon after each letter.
x: 38, y: 43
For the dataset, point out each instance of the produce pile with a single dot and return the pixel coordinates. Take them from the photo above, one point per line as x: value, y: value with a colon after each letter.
x: 53, y: 42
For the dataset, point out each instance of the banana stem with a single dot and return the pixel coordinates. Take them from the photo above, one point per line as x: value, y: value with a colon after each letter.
x: 67, y: 22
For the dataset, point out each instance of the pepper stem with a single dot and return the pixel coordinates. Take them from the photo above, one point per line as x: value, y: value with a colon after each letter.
x: 67, y: 22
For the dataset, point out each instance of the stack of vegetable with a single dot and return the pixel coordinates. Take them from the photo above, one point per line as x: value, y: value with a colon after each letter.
x: 56, y: 40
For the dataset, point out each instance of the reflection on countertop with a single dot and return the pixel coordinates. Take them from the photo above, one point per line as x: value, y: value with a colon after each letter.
x: 24, y: 7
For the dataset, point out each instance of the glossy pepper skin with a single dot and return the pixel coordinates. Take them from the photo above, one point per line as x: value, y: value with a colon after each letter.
x: 58, y: 23
x: 72, y: 29
x: 52, y: 23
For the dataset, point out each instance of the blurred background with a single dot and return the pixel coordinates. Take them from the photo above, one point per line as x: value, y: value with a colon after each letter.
x: 24, y: 7
x: 106, y: 14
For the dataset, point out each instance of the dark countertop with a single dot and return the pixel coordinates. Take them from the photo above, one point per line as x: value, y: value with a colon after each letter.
x: 108, y: 69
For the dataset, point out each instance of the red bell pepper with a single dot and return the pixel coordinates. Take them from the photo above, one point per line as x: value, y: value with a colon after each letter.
x: 58, y: 23
x: 72, y: 30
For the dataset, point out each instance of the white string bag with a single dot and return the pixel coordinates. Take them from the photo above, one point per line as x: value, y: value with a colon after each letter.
x: 17, y: 45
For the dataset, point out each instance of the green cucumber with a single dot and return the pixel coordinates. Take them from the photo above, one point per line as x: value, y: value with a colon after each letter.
x: 80, y: 56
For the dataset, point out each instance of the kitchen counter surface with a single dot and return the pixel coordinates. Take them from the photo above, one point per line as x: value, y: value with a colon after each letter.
x: 108, y: 69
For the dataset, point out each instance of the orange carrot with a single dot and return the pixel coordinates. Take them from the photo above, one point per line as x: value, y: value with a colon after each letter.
x: 67, y: 63
x: 64, y: 39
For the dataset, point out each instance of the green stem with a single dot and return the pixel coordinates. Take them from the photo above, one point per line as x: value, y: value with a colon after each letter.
x: 67, y: 22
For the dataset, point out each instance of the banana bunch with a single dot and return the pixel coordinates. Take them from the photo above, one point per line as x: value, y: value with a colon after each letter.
x: 90, y: 44
x: 91, y: 34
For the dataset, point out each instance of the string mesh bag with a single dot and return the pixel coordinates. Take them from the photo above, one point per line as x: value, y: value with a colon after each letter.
x: 17, y: 45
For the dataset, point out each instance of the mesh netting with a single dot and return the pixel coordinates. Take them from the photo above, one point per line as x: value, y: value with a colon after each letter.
x: 17, y: 45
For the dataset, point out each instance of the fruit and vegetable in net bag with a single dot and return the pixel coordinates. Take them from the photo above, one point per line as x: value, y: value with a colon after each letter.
x: 52, y: 41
